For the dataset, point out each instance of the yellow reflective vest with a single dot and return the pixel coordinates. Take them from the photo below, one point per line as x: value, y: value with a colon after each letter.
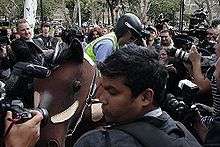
x: 90, y: 47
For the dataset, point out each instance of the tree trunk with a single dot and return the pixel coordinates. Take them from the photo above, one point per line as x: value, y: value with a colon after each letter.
x: 145, y: 6
x: 209, y: 11
x: 112, y: 4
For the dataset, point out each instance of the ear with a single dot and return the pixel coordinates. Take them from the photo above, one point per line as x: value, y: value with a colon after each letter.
x: 147, y: 96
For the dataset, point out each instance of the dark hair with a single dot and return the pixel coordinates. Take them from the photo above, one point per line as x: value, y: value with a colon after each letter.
x: 140, y: 69
x: 90, y: 34
x: 45, y: 24
x: 69, y: 35
x: 166, y: 31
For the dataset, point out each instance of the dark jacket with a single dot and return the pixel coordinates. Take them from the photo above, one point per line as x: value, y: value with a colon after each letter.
x: 26, y: 51
x: 49, y: 42
x: 113, y: 137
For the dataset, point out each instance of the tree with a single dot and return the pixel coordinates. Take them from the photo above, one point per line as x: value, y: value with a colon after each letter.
x: 112, y: 5
x: 139, y: 7
x: 167, y: 7
x: 212, y: 7
x: 49, y: 7
x: 11, y: 8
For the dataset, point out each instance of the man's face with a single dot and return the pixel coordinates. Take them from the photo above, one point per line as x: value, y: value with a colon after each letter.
x: 45, y: 29
x: 127, y: 38
x: 105, y: 31
x: 211, y: 34
x: 163, y: 57
x: 118, y: 103
x: 24, y: 30
x: 152, y: 35
x: 165, y: 39
x: 95, y: 34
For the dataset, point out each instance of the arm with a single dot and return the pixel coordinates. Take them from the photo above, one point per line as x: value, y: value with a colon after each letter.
x: 25, y: 134
x: 199, y: 79
x: 103, y: 49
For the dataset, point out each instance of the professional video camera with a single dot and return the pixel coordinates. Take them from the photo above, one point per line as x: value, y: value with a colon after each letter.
x: 4, y: 40
x: 19, y: 113
x: 182, y: 108
x: 161, y: 22
x: 22, y: 73
x: 198, y: 24
x: 11, y: 99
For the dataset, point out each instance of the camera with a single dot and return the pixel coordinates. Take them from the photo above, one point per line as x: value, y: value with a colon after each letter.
x: 182, y: 107
x: 4, y: 40
x: 206, y: 61
x: 179, y: 53
x: 198, y: 24
x: 16, y: 106
x: 11, y: 98
x: 21, y: 75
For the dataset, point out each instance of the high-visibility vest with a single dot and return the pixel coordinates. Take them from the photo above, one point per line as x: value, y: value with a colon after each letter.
x: 90, y: 47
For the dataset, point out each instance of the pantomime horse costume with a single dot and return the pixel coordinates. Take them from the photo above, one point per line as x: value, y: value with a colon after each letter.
x: 69, y: 96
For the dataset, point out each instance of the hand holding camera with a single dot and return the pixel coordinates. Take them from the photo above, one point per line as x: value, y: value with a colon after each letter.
x: 194, y: 55
x: 25, y: 134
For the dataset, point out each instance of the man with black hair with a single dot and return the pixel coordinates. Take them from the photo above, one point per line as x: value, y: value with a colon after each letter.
x: 166, y: 41
x: 128, y: 29
x: 50, y: 42
x: 134, y: 83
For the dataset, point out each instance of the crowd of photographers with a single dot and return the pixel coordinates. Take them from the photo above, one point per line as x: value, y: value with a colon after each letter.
x: 184, y: 54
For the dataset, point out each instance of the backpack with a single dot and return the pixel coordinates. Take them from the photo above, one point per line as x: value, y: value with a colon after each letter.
x: 142, y: 129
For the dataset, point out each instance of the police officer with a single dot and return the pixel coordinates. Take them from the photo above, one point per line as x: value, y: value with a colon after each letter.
x: 128, y: 29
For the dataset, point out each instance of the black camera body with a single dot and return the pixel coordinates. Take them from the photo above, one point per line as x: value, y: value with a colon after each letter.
x: 198, y: 24
x: 19, y: 113
x: 182, y: 107
x: 4, y: 40
x: 11, y: 93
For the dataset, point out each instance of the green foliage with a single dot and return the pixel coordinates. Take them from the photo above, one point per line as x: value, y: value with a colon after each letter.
x: 49, y: 7
x: 20, y: 8
x: 167, y: 7
x: 87, y: 6
x: 86, y: 9
x: 133, y: 6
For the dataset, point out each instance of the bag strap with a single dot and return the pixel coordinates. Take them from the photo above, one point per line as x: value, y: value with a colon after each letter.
x: 154, y: 136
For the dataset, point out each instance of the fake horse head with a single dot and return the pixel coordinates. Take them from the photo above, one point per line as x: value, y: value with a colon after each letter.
x: 64, y: 95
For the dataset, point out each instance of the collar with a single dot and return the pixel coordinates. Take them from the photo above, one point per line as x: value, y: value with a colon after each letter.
x: 154, y: 113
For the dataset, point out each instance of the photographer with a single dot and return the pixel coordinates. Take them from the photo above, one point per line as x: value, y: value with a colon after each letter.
x: 207, y: 85
x: 27, y: 49
x: 25, y: 134
x: 208, y: 43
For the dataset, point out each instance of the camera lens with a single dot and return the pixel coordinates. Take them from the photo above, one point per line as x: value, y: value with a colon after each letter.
x: 183, y: 55
x: 45, y: 114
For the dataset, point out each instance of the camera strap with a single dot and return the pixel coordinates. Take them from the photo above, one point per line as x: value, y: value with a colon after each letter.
x: 13, y: 122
